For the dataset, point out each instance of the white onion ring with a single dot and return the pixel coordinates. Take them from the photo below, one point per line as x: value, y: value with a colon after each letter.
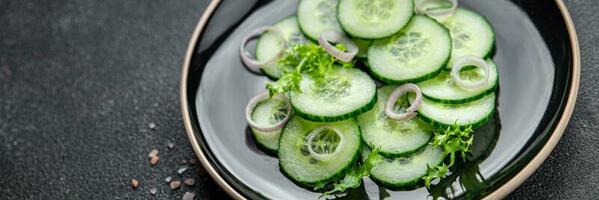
x: 464, y: 61
x: 249, y: 109
x: 336, y: 37
x: 410, y: 111
x: 314, y: 133
x: 440, y: 13
x: 253, y: 64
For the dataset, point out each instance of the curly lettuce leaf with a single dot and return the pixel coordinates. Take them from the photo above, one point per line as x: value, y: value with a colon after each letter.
x: 308, y: 58
x: 353, y: 177
x: 452, y: 140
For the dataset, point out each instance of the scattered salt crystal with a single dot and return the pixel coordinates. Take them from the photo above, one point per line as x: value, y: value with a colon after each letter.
x: 189, y: 196
x: 153, y: 153
x: 182, y: 170
x: 189, y: 181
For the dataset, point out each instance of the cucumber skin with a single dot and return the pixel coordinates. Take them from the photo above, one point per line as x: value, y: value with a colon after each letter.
x: 414, y: 80
x: 336, y: 176
x: 304, y: 32
x: 393, y: 155
x: 414, y: 183
x: 271, y: 77
x: 443, y: 125
x: 316, y: 118
x: 465, y: 100
x: 491, y: 50
x: 404, y: 185
x: 265, y: 149
x: 363, y: 38
x: 301, y: 29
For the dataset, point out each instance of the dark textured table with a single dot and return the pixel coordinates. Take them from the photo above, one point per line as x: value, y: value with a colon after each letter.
x: 83, y: 82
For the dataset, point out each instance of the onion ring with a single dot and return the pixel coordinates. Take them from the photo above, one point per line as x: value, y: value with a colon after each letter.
x: 253, y: 64
x: 336, y: 37
x: 420, y: 8
x: 315, y: 133
x: 410, y: 111
x: 464, y: 61
x: 249, y: 109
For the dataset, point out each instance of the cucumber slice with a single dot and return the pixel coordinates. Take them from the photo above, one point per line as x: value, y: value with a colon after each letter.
x: 267, y: 141
x: 268, y: 46
x: 374, y: 19
x: 268, y: 113
x: 471, y: 34
x: 434, y: 5
x: 473, y: 113
x: 404, y: 171
x: 363, y: 45
x: 315, y: 16
x: 391, y: 137
x: 348, y: 93
x: 442, y: 89
x: 417, y: 53
x: 295, y: 160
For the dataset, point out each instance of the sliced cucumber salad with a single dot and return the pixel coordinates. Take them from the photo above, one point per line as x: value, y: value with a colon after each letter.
x: 391, y: 137
x: 429, y: 82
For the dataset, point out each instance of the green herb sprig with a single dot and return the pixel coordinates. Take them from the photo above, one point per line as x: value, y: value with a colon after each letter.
x: 453, y: 140
x: 353, y: 177
x: 304, y: 58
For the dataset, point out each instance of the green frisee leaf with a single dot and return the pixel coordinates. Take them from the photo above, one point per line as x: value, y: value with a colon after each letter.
x: 452, y: 140
x: 308, y: 59
x: 353, y: 178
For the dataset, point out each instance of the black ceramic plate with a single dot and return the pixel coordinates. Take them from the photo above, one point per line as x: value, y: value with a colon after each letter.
x: 537, y: 55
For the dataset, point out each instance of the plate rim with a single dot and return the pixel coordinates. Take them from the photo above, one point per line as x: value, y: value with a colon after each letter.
x: 499, y: 193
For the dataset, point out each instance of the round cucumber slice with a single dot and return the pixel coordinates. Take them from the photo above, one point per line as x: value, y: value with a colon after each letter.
x: 268, y: 46
x: 297, y: 163
x: 473, y: 113
x: 268, y: 113
x: 405, y: 171
x: 374, y: 19
x: 471, y: 34
x: 391, y: 137
x: 443, y: 89
x: 417, y: 53
x: 316, y: 16
x: 348, y: 93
